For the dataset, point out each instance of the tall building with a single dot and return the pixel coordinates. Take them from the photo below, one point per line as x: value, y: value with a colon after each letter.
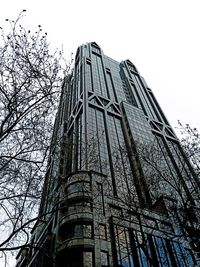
x: 119, y: 190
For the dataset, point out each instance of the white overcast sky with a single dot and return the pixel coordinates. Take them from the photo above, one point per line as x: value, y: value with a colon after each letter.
x: 161, y: 37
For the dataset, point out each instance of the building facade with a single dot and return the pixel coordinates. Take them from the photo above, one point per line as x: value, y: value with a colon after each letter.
x: 119, y: 190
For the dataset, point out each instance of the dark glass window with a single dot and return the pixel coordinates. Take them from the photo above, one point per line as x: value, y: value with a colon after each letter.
x: 129, y: 94
x: 111, y: 86
x: 141, y: 250
x: 98, y: 74
x: 120, y: 159
x: 78, y: 187
x: 88, y: 76
x: 76, y: 258
x: 97, y: 148
x: 124, y: 257
x: 165, y: 226
x: 83, y: 230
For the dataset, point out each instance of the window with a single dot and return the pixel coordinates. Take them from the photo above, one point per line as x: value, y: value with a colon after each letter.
x: 100, y: 198
x: 82, y: 230
x: 102, y: 232
x: 87, y: 259
x: 141, y: 250
x: 166, y: 226
x: 79, y: 230
x: 96, y: 49
x: 75, y: 257
x: 78, y: 187
x: 104, y: 258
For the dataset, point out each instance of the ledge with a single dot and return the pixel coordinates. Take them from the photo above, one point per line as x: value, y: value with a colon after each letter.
x: 75, y: 217
x: 74, y: 243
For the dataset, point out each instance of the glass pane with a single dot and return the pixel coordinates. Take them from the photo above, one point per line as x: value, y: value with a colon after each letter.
x: 78, y: 187
x: 78, y: 230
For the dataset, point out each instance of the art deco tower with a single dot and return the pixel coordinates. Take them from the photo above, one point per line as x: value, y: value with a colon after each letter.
x: 119, y: 190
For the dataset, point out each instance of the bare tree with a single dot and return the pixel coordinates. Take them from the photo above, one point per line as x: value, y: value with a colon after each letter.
x: 173, y: 190
x: 124, y: 211
x: 30, y: 81
x: 190, y: 140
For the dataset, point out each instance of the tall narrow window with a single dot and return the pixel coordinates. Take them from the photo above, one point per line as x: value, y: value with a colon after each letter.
x: 88, y: 76
x: 102, y: 231
x: 88, y: 259
x: 104, y: 259
x: 110, y: 86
